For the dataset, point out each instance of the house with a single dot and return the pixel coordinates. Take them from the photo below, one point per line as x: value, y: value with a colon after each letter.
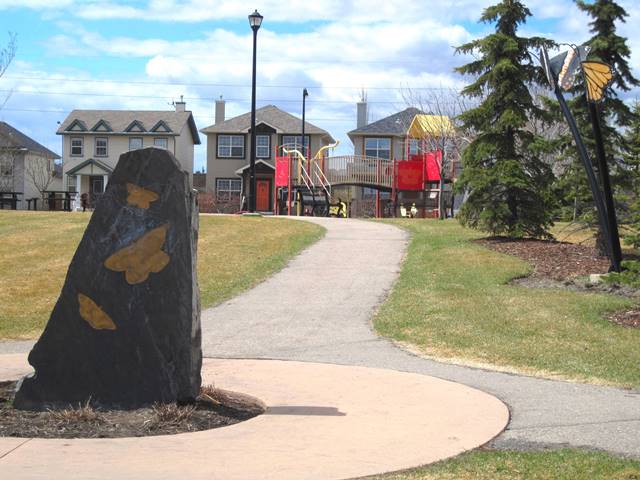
x: 228, y: 152
x: 26, y: 167
x: 387, y: 139
x: 93, y: 141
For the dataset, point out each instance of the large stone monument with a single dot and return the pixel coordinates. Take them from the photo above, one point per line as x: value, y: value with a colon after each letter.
x: 125, y: 331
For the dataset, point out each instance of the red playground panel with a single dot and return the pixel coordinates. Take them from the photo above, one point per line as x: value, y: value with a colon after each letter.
x: 410, y: 175
x: 432, y: 162
x: 282, y: 171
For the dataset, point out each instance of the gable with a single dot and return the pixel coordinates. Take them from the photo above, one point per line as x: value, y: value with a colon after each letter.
x: 161, y: 127
x: 101, y: 126
x: 77, y: 126
x: 135, y: 126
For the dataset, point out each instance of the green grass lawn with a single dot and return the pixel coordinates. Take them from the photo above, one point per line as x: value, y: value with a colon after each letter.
x: 234, y: 253
x: 550, y: 465
x: 452, y: 302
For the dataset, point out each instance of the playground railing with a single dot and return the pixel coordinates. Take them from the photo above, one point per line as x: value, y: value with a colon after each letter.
x: 322, y: 179
x: 358, y: 169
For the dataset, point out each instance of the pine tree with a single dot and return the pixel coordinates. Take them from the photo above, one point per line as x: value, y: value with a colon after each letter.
x: 507, y: 182
x: 612, y: 49
x: 631, y: 160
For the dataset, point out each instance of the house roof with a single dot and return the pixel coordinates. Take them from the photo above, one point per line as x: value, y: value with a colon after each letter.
x: 396, y: 124
x: 272, y: 116
x: 91, y: 161
x: 119, y: 121
x: 266, y: 164
x: 13, y: 138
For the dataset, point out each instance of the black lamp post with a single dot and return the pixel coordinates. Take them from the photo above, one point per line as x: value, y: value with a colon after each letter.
x: 255, y: 20
x: 305, y: 94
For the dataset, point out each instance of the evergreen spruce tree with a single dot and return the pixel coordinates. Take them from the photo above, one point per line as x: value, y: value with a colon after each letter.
x: 610, y: 48
x: 631, y: 159
x: 507, y: 182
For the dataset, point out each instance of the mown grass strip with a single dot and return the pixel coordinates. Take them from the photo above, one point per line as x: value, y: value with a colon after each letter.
x: 452, y: 301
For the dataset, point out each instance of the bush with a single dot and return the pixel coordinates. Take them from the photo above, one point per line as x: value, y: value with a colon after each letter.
x: 630, y: 274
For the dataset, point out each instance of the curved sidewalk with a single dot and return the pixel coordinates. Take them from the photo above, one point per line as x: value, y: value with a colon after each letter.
x: 318, y: 309
x: 323, y: 422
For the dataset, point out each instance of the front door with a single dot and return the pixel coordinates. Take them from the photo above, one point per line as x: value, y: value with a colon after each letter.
x: 96, y: 184
x: 262, y: 195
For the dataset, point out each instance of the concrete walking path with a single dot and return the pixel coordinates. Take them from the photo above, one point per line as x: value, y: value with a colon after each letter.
x: 323, y: 422
x: 319, y: 308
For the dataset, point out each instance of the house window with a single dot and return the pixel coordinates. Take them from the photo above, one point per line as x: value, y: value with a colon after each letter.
x: 295, y: 142
x: 101, y: 147
x: 231, y: 146
x: 263, y: 146
x: 76, y: 147
x: 71, y: 183
x: 228, y: 189
x: 135, y: 143
x: 161, y: 142
x: 378, y: 147
x: 414, y: 146
x: 6, y: 166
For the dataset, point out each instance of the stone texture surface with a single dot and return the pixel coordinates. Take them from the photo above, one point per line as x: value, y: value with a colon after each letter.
x: 125, y: 331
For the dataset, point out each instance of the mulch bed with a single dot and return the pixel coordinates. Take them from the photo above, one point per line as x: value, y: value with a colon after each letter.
x: 559, y: 264
x: 215, y: 408
x: 554, y: 260
x: 630, y: 318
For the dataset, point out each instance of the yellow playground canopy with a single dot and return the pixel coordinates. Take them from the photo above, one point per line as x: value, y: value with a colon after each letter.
x: 423, y: 126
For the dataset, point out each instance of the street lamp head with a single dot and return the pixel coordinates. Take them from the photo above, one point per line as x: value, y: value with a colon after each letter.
x: 255, y: 20
x: 305, y: 93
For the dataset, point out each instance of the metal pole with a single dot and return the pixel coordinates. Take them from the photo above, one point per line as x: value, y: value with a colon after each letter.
x: 252, y: 159
x: 304, y: 150
x: 586, y: 162
x: 606, y: 187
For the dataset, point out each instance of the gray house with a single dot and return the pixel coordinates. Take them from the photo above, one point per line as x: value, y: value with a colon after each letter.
x: 26, y: 166
x: 228, y: 151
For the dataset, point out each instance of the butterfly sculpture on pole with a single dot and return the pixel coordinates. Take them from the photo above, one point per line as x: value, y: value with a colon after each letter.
x: 561, y: 72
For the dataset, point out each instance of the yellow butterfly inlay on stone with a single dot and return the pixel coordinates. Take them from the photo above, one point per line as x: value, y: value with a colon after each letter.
x: 142, y: 257
x: 94, y: 315
x: 140, y: 197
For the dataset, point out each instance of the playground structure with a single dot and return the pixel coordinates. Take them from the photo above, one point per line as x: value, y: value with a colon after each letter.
x: 305, y: 186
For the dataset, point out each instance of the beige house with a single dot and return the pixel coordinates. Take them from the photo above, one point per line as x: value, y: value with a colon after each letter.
x: 93, y: 141
x: 228, y: 152
x: 26, y: 169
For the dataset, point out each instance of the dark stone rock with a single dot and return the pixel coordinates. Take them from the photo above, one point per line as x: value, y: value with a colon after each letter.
x: 125, y: 331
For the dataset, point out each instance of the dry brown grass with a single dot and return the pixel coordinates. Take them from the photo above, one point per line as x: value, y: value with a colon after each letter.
x: 234, y: 254
x: 171, y: 413
x: 83, y: 413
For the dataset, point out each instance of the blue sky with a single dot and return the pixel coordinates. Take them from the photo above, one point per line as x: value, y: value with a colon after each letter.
x: 144, y: 54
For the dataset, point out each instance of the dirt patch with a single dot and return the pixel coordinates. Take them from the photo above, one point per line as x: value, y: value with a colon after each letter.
x: 214, y: 408
x: 629, y: 318
x: 552, y: 260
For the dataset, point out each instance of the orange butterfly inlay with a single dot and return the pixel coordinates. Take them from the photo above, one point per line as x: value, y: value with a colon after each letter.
x: 140, y: 197
x: 94, y: 315
x: 142, y: 257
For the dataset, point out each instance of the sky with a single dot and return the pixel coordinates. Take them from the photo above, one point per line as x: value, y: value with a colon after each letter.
x: 145, y: 54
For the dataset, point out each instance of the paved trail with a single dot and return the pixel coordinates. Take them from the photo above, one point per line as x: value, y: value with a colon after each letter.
x: 319, y: 309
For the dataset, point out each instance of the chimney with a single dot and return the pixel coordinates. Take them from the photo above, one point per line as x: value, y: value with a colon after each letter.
x: 181, y: 105
x: 219, y: 118
x: 362, y: 118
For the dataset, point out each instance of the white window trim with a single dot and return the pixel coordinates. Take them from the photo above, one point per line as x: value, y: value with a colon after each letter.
x: 230, y: 146
x: 81, y: 154
x: 378, y: 149
x: 106, y: 147
x: 268, y: 146
x: 136, y: 138
x: 229, y: 191
x: 166, y: 141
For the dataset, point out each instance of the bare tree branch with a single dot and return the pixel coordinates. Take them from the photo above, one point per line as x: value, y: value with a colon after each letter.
x: 7, y: 55
x: 40, y: 171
